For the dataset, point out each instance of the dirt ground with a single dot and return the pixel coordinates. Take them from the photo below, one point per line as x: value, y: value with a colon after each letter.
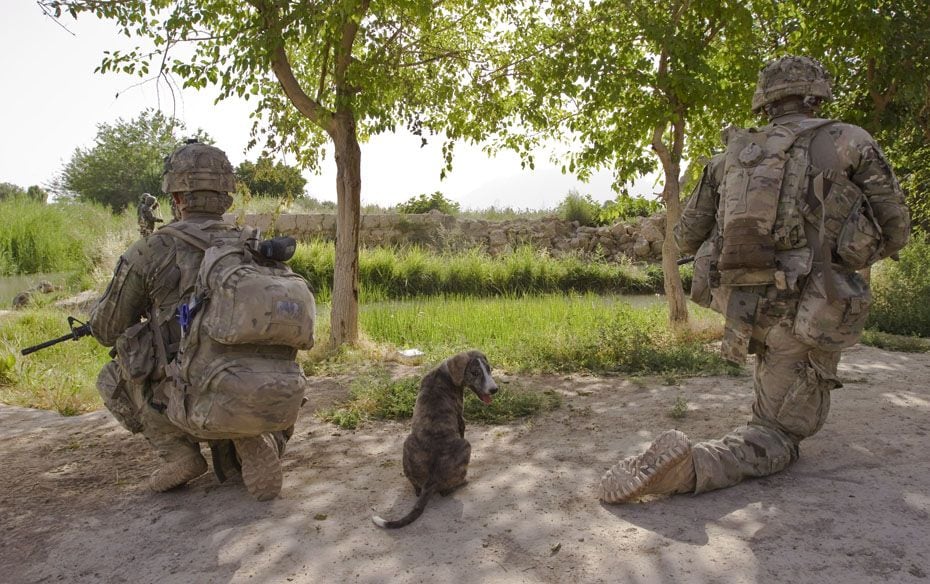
x: 74, y: 507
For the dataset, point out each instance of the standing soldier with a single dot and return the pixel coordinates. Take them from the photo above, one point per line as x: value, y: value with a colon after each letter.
x: 146, y: 214
x: 145, y: 313
x: 779, y: 223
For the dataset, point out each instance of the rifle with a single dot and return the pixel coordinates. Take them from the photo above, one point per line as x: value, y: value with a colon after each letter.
x: 76, y: 333
x: 685, y: 260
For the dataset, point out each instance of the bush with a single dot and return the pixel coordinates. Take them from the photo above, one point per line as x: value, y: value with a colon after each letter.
x: 580, y: 208
x: 426, y: 203
x: 901, y: 291
x: 625, y: 207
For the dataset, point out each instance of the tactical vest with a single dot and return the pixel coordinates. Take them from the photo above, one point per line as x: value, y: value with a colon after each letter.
x: 761, y: 208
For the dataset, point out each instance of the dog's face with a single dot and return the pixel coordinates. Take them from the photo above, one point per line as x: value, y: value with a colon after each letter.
x: 478, y: 378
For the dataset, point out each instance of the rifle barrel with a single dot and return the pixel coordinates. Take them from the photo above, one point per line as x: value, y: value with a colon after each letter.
x: 41, y: 346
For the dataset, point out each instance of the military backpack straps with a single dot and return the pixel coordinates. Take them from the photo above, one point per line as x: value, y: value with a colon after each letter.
x: 244, y: 319
x: 762, y: 196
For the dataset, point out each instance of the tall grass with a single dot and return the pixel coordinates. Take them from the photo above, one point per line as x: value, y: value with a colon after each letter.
x: 59, y: 237
x: 552, y: 333
x: 61, y: 378
x: 388, y: 273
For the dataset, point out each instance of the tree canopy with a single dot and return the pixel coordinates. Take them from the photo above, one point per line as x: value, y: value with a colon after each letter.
x: 636, y: 85
x: 35, y: 192
x: 324, y: 71
x: 879, y: 54
x: 126, y: 160
x: 267, y: 178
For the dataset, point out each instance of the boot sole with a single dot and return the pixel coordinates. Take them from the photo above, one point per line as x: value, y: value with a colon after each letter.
x: 261, y: 469
x: 674, y: 447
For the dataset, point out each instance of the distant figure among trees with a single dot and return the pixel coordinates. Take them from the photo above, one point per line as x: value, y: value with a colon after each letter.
x: 146, y: 214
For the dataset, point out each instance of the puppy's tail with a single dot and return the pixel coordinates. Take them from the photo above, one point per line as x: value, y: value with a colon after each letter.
x: 409, y: 518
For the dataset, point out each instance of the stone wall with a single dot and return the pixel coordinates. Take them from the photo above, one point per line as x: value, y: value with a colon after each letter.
x: 640, y: 240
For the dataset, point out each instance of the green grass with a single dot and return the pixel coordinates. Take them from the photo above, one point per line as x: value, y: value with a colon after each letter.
x: 388, y: 273
x: 61, y: 378
x: 552, y: 333
x: 377, y: 397
x: 54, y: 238
x: 891, y: 342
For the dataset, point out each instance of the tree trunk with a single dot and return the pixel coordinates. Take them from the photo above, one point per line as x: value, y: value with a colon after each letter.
x: 671, y: 196
x: 344, y: 321
x: 674, y: 291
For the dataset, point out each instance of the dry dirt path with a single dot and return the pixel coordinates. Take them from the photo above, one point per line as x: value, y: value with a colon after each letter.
x: 855, y: 509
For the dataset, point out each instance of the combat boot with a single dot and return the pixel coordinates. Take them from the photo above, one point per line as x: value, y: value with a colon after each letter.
x: 178, y: 472
x: 261, y: 468
x: 666, y: 468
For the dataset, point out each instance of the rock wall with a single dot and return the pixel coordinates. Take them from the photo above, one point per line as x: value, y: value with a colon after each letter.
x: 640, y: 240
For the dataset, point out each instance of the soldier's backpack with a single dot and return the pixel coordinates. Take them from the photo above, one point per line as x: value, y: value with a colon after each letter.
x: 235, y: 373
x: 765, y: 206
x: 770, y: 191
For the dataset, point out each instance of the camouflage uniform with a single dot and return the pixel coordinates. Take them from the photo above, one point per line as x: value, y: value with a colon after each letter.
x: 146, y: 214
x: 148, y: 282
x: 146, y: 276
x: 793, y: 377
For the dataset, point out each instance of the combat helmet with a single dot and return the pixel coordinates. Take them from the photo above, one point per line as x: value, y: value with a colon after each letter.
x: 203, y: 174
x: 788, y: 76
x: 147, y: 199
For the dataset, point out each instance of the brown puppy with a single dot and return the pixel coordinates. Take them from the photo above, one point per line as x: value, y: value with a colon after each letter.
x: 436, y: 453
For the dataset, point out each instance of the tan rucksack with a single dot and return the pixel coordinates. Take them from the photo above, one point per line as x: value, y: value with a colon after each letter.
x: 235, y: 373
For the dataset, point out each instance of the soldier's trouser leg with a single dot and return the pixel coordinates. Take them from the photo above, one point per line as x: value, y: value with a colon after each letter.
x: 181, y: 454
x: 792, y: 399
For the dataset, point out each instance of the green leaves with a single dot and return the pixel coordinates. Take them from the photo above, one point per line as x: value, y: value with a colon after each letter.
x: 125, y: 161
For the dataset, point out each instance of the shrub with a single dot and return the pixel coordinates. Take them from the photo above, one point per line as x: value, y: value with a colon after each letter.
x: 580, y: 208
x: 426, y: 203
x: 625, y: 207
x: 901, y: 291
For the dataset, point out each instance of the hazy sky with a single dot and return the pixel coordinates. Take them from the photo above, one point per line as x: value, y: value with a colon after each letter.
x: 52, y: 101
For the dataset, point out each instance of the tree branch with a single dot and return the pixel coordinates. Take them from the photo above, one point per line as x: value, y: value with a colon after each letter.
x: 346, y: 41
x: 281, y: 66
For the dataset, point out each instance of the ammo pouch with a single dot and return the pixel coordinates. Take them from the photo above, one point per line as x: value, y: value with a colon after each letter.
x: 701, y: 283
x: 115, y: 393
x: 859, y: 243
x: 833, y: 309
x: 845, y: 219
x: 136, y: 352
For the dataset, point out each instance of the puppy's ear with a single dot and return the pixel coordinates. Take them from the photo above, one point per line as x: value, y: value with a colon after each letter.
x: 455, y: 367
